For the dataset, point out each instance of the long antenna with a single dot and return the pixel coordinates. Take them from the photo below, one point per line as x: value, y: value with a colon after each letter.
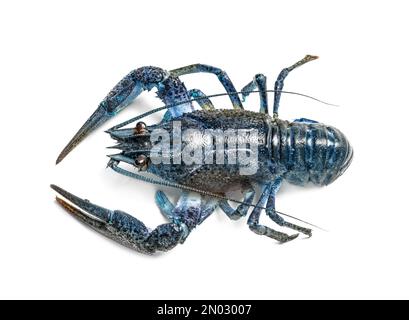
x: 212, y: 96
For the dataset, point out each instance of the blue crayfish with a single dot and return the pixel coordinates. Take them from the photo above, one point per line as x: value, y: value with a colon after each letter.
x: 301, y: 151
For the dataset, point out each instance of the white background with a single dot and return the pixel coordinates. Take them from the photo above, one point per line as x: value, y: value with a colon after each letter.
x: 59, y: 59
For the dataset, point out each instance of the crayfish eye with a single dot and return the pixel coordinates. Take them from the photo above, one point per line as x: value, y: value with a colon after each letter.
x: 140, y: 127
x: 141, y: 162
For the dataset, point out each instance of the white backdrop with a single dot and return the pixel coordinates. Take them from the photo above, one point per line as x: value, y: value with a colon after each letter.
x: 58, y: 60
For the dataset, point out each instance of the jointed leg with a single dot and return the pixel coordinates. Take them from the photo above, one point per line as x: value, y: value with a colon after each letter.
x: 259, y: 81
x: 279, y: 84
x: 203, y: 102
x: 242, y: 209
x: 271, y: 212
x: 254, y: 218
x: 167, y: 208
x: 221, y: 75
x: 208, y: 207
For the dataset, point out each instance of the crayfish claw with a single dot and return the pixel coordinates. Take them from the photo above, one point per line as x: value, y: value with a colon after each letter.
x: 122, y: 227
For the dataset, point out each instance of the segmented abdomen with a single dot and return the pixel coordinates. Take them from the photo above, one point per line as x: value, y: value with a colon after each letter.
x: 310, y: 152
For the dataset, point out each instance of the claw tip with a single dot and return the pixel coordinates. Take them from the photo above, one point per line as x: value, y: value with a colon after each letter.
x: 55, y: 188
x: 60, y: 158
